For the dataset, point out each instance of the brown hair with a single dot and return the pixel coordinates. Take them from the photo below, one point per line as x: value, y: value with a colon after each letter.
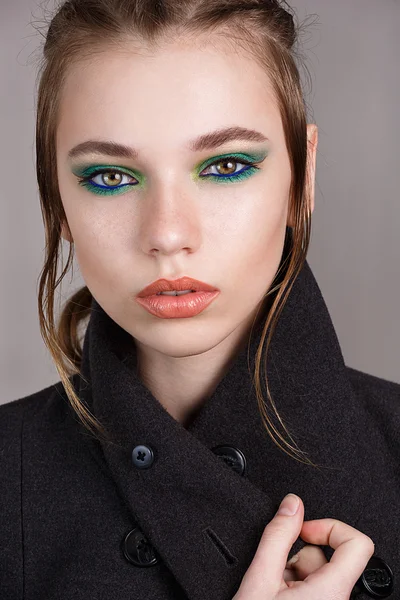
x: 78, y: 30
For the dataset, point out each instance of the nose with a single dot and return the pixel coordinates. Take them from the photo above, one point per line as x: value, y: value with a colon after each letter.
x: 170, y: 223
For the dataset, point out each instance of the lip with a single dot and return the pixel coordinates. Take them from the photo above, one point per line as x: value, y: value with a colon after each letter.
x: 177, y: 307
x: 168, y: 285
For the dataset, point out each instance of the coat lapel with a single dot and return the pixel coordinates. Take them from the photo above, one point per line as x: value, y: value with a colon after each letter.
x: 203, y: 518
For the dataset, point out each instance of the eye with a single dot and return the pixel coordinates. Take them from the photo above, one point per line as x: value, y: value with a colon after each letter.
x: 226, y: 169
x: 107, y: 180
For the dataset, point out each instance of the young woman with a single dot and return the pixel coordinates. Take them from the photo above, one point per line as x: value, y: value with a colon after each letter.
x: 175, y: 159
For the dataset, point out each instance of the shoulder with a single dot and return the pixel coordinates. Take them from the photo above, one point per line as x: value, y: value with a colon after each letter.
x: 12, y: 418
x: 34, y: 402
x: 380, y: 400
x: 18, y: 417
x: 374, y: 388
x: 11, y: 484
x: 12, y: 413
x: 20, y: 424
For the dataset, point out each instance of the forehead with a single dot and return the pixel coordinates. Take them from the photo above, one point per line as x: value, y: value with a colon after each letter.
x: 164, y: 97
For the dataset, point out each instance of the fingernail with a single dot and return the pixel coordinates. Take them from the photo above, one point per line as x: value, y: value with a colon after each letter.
x: 293, y: 560
x: 289, y: 505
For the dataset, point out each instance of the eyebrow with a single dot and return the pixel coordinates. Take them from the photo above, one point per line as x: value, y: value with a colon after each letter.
x: 207, y: 141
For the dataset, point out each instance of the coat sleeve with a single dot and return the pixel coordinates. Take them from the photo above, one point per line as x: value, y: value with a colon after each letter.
x: 11, y: 551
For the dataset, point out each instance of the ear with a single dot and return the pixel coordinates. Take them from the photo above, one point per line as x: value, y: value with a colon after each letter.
x: 312, y: 144
x: 65, y: 232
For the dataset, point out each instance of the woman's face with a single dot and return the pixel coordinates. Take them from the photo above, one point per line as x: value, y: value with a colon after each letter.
x: 181, y: 216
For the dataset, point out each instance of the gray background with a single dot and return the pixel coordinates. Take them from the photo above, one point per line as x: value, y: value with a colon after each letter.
x: 352, y: 54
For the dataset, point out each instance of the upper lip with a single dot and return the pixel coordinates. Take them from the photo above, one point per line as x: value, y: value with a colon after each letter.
x: 168, y: 285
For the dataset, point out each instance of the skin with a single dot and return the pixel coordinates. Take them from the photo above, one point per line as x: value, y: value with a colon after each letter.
x: 305, y: 562
x: 229, y: 235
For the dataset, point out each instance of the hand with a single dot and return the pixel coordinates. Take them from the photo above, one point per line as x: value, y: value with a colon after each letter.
x: 305, y: 562
x: 265, y: 577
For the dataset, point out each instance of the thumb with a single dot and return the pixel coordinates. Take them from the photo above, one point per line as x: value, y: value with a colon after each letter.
x: 265, y: 573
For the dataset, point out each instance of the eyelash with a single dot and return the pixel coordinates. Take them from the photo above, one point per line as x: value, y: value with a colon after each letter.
x: 251, y: 168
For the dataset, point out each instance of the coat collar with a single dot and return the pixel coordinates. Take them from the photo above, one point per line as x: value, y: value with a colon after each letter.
x: 190, y: 496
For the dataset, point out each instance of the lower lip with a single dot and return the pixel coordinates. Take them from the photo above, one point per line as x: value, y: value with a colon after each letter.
x: 177, y: 307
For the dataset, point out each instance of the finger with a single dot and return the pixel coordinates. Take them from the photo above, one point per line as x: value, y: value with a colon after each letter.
x: 265, y: 573
x: 309, y: 559
x: 289, y: 575
x: 353, y: 549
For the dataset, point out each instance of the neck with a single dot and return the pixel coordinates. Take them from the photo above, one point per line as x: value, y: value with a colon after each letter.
x: 182, y: 385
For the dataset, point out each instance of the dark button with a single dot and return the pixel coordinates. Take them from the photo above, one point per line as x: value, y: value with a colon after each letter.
x: 233, y: 457
x: 138, y: 550
x: 376, y: 581
x: 142, y: 457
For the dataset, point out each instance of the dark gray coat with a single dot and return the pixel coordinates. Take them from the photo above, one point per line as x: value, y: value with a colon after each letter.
x: 166, y: 513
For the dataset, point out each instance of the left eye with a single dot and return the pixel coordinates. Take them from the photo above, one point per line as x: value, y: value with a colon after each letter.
x: 228, y: 164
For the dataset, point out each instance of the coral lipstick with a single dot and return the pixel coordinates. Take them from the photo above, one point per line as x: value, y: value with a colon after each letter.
x: 182, y: 298
x: 177, y: 307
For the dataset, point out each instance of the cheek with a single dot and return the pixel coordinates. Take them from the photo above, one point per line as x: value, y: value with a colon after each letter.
x: 258, y: 240
x: 101, y: 250
x: 94, y: 266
